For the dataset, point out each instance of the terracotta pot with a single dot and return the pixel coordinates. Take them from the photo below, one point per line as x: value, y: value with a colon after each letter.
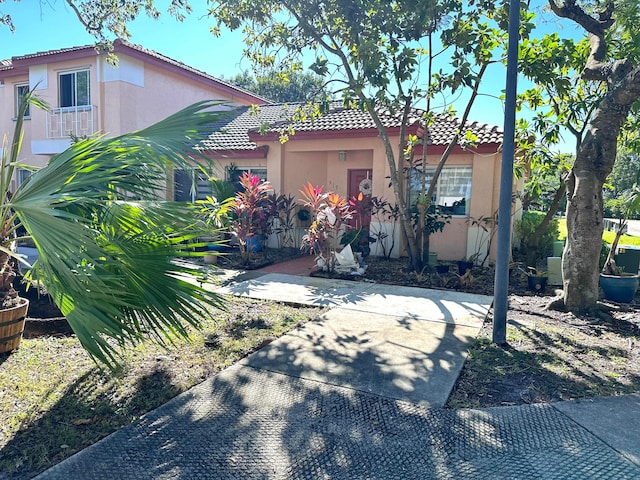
x: 12, y: 325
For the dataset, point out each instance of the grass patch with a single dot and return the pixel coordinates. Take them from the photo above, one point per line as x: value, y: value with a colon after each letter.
x: 55, y: 401
x: 562, y: 228
x: 607, y: 235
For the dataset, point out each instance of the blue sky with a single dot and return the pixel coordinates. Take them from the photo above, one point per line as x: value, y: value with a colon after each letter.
x: 51, y: 25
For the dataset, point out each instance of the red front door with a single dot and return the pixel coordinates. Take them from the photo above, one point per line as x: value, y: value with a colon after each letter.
x: 360, y: 182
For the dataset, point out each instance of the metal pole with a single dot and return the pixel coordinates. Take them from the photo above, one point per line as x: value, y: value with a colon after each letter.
x: 501, y: 285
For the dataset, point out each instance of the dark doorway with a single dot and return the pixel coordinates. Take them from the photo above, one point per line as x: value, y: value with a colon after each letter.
x: 360, y: 182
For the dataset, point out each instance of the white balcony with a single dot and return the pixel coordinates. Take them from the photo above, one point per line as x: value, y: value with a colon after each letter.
x: 65, y: 122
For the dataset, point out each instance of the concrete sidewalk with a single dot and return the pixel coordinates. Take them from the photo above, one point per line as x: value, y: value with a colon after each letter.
x: 399, y: 342
x: 357, y: 394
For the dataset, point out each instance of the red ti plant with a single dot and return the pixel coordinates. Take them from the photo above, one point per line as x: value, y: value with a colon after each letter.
x: 362, y: 206
x: 331, y: 214
x: 252, y: 211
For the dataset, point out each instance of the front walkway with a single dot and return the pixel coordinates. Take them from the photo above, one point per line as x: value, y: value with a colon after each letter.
x: 357, y: 395
x: 400, y: 342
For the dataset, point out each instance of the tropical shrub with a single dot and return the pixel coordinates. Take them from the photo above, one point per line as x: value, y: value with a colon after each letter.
x: 535, y: 250
x: 330, y: 216
x: 283, y: 223
x: 383, y: 212
x: 106, y: 238
x: 253, y: 209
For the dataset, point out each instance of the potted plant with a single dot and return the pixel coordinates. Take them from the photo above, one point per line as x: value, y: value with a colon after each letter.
x: 442, y: 269
x: 465, y: 265
x: 617, y: 285
x: 482, y: 246
x: 106, y: 239
x: 359, y: 239
x: 253, y: 210
x: 536, y: 279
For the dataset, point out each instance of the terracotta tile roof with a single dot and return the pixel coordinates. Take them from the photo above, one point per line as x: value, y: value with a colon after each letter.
x: 5, y: 64
x: 445, y: 128
x: 234, y: 134
x: 46, y: 53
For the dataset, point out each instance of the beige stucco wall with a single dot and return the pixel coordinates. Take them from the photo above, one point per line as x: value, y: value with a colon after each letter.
x: 316, y: 161
x: 7, y: 122
x: 293, y: 164
x: 130, y: 106
x: 132, y: 96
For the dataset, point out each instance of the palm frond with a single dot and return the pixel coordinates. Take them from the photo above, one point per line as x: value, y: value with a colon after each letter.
x: 108, y: 241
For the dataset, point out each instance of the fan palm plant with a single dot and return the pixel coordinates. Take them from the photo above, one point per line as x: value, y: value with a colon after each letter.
x: 107, y: 241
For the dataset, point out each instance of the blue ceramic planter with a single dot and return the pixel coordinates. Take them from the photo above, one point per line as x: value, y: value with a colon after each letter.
x: 254, y: 243
x: 619, y: 288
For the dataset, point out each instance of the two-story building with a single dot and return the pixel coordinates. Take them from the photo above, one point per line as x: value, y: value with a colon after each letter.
x: 87, y: 94
x: 340, y: 150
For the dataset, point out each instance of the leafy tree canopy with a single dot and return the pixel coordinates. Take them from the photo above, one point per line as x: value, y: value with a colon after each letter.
x: 282, y: 87
x: 380, y: 54
x: 623, y: 175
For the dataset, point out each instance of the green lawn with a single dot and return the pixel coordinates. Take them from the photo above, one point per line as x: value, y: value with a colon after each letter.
x: 607, y: 236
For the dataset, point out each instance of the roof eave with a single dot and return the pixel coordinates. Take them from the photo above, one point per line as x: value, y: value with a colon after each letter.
x: 482, y: 148
x: 231, y: 154
x: 257, y: 137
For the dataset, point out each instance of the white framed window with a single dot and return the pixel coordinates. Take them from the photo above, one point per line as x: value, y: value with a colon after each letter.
x: 234, y: 173
x: 73, y: 89
x: 190, y: 185
x: 21, y: 91
x: 453, y: 192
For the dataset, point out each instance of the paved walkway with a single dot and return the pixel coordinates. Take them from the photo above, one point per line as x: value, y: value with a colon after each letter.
x: 357, y: 394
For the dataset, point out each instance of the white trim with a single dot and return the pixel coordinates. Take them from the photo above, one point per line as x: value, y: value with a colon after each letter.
x: 129, y: 70
x: 75, y: 68
x: 49, y: 147
x: 38, y: 75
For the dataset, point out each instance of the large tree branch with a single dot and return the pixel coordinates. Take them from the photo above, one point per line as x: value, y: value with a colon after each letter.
x: 596, y: 67
x: 569, y: 9
x: 93, y: 28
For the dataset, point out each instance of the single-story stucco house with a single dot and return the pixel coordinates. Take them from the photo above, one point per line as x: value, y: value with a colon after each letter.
x: 342, y: 147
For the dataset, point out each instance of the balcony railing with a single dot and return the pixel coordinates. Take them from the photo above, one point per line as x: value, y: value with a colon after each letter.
x: 65, y: 122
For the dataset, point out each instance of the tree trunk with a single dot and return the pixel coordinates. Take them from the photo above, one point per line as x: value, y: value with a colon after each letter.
x: 584, y: 241
x: 594, y: 162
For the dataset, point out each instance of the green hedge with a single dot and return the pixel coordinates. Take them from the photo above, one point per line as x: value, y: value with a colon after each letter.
x: 525, y: 228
